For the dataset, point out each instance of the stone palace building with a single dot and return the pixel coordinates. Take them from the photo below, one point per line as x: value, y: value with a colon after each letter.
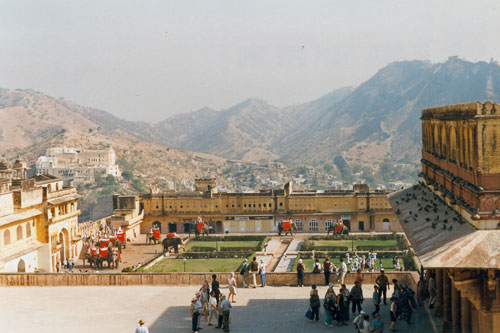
x: 361, y: 209
x: 38, y: 220
x: 452, y: 219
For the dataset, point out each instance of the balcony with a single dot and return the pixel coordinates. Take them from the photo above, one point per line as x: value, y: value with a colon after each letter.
x: 63, y: 217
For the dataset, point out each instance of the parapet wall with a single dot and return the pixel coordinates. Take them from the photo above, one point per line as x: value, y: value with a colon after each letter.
x: 179, y: 279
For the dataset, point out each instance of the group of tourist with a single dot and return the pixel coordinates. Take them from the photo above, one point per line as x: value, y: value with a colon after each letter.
x: 337, y: 304
x: 65, y: 265
x: 212, y: 305
x: 253, y: 268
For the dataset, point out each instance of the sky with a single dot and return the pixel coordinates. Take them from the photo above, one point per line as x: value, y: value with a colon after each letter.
x: 148, y: 60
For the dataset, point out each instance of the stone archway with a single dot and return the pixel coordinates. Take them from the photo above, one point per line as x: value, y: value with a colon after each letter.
x: 21, y: 266
x: 63, y: 242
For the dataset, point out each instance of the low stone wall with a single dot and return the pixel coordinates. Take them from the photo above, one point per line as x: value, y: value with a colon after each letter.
x: 178, y: 279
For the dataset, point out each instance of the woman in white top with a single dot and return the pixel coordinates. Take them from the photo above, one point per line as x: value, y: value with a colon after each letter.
x: 212, y: 303
x: 232, y: 288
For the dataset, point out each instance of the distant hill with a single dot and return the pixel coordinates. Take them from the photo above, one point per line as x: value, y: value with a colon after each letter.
x: 378, y: 120
x: 31, y: 121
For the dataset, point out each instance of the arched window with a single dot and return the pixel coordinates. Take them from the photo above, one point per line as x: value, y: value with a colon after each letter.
x: 6, y: 237
x: 19, y: 233
x: 28, y: 230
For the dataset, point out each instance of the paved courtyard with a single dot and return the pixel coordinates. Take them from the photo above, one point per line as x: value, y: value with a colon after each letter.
x: 165, y: 309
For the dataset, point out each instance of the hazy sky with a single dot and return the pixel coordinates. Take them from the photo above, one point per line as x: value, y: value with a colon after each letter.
x: 147, y: 60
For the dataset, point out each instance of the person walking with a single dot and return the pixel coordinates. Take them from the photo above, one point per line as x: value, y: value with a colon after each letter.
x: 300, y: 273
x: 212, y: 304
x: 376, y: 300
x: 220, y: 316
x: 195, y: 314
x: 432, y: 290
x: 232, y: 288
x: 383, y: 285
x: 215, y: 287
x: 204, y: 296
x: 245, y: 272
x: 327, y: 269
x: 329, y: 305
x: 342, y: 271
x: 392, y: 314
x: 359, y: 277
x: 359, y: 321
x: 356, y: 297
x: 262, y: 272
x: 421, y: 291
x: 342, y: 307
x: 314, y: 303
x: 377, y: 324
x: 141, y: 328
x: 226, y: 310
x: 254, y: 269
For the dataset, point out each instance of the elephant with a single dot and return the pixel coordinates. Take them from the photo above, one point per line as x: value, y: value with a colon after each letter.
x: 172, y: 242
x: 204, y: 230
x: 293, y: 228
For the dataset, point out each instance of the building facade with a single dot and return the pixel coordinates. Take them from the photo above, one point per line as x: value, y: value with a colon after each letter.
x: 452, y: 218
x: 361, y: 209
x: 78, y: 166
x: 461, y: 156
x: 38, y: 221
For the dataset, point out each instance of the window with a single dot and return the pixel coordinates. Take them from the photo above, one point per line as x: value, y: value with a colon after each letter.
x: 232, y: 206
x: 260, y: 205
x: 6, y: 237
x: 313, y: 225
x: 299, y: 225
x: 28, y: 230
x: 264, y: 205
x: 253, y: 205
x: 281, y: 204
x: 270, y: 205
x: 19, y: 233
x: 361, y: 226
x: 245, y: 205
x: 328, y: 224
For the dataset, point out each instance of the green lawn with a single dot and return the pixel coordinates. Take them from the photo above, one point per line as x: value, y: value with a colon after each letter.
x: 357, y: 242
x: 386, y: 263
x: 226, y: 244
x: 196, y: 265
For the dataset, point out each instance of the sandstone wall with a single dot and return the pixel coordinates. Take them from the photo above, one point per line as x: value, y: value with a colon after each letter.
x: 179, y: 279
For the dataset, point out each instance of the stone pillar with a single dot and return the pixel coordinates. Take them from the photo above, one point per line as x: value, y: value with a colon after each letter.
x: 455, y: 309
x: 465, y: 315
x: 439, y: 296
x: 446, y: 300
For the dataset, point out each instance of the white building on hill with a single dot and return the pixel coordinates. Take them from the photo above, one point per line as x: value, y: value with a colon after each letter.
x: 78, y: 166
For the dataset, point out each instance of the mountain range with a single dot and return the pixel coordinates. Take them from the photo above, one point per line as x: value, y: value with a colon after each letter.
x: 374, y: 122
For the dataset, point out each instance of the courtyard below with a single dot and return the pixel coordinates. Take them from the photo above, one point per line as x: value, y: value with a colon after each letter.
x: 165, y: 309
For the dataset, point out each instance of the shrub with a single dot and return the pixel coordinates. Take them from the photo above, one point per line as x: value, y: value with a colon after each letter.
x: 209, y: 255
x: 229, y: 238
x: 378, y: 248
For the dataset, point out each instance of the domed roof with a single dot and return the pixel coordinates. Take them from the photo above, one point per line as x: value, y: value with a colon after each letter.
x: 19, y: 164
x: 4, y: 165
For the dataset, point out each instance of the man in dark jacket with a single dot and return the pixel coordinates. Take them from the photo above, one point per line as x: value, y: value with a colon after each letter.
x: 215, y: 287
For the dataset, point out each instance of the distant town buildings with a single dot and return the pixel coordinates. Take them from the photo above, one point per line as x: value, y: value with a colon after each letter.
x: 78, y: 166
x: 38, y: 220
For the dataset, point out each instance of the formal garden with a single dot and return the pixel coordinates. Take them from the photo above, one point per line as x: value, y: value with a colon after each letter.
x: 211, y: 254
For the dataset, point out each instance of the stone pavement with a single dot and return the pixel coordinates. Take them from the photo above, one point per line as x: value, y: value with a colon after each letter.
x: 165, y: 309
